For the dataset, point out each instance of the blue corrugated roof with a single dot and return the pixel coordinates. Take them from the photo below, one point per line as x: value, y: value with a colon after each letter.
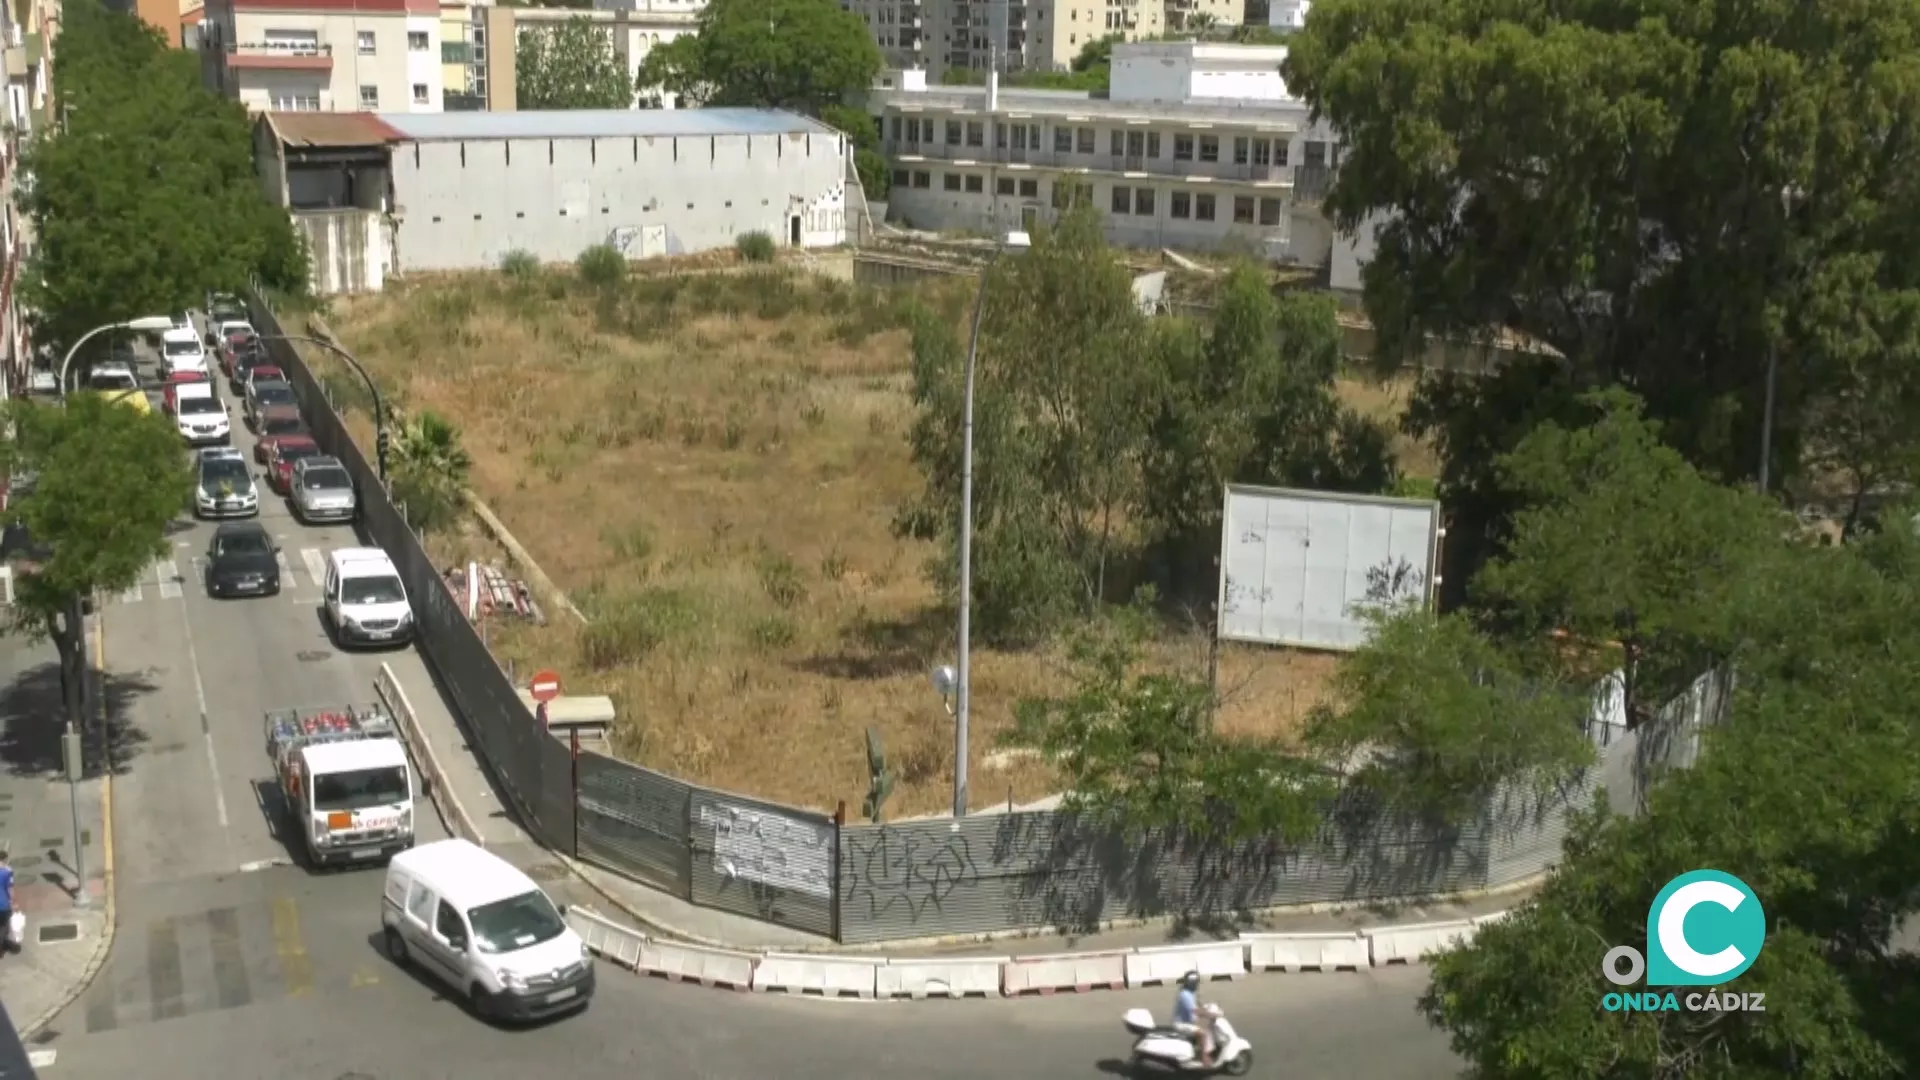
x: 599, y: 123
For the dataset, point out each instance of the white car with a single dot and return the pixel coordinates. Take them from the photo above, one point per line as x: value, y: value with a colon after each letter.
x: 221, y: 453
x: 202, y: 420
x: 182, y: 351
x: 235, y: 326
x: 225, y: 489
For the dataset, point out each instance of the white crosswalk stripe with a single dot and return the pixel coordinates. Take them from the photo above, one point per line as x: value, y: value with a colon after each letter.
x: 165, y: 576
x: 316, y: 565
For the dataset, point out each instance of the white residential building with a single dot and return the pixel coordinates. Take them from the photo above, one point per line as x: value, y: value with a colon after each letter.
x: 325, y: 55
x: 1031, y: 35
x: 1197, y: 146
x: 1287, y: 14
x: 635, y: 29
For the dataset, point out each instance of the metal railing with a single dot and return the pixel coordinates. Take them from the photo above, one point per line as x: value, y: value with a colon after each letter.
x: 280, y: 48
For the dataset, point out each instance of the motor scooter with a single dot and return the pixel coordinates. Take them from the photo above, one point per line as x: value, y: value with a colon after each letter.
x: 1168, y: 1048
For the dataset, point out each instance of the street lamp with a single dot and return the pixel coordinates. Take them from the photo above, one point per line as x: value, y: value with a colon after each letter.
x: 145, y: 324
x: 958, y: 684
x: 379, y: 405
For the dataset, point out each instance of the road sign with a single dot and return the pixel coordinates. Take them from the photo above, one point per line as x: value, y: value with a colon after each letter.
x: 545, y: 686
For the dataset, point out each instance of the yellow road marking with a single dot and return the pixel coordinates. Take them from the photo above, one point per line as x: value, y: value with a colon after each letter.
x: 295, y: 965
x: 364, y: 978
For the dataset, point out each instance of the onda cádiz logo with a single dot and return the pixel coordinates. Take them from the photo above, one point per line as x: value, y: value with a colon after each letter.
x: 1704, y: 929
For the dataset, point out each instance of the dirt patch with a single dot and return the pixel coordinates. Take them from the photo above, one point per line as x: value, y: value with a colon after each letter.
x: 709, y: 466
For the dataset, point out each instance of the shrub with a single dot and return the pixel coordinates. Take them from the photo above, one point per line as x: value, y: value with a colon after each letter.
x: 520, y: 265
x: 782, y: 581
x: 755, y: 246
x: 629, y: 630
x: 601, y: 265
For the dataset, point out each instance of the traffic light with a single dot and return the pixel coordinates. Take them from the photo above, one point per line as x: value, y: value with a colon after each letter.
x: 382, y: 442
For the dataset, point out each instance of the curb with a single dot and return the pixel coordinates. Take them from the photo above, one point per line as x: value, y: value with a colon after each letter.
x: 446, y: 801
x: 104, y: 948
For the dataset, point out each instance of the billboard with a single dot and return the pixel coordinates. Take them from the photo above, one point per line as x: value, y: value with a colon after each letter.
x: 1294, y: 564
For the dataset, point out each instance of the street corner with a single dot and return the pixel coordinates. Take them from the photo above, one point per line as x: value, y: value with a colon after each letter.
x: 53, y: 965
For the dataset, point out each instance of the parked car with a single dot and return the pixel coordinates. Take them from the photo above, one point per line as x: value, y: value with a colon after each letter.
x: 225, y: 488
x: 242, y: 560
x: 288, y: 450
x: 170, y: 392
x: 202, y: 420
x: 262, y: 373
x: 269, y: 395
x: 322, y: 490
x: 244, y: 362
x: 274, y: 424
x: 118, y: 383
x: 182, y: 351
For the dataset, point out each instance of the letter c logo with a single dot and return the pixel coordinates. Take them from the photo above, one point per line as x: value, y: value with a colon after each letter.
x: 1704, y: 928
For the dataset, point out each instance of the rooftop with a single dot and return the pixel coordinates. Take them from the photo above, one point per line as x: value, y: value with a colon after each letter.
x: 481, y: 878
x: 330, y: 129
x: 597, y: 124
x: 1074, y: 105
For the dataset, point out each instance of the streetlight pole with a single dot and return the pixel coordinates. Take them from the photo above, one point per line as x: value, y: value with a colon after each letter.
x: 148, y: 324
x: 379, y: 404
x: 963, y: 688
x: 1788, y: 196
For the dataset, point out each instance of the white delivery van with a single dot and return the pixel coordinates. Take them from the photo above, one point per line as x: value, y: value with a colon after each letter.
x: 182, y: 350
x: 366, y: 604
x: 474, y: 922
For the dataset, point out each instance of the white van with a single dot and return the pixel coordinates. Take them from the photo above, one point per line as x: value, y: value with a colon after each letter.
x: 182, y: 350
x: 366, y: 603
x: 474, y: 922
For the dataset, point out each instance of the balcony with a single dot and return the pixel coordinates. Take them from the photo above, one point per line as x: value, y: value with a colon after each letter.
x: 281, y: 56
x: 456, y: 52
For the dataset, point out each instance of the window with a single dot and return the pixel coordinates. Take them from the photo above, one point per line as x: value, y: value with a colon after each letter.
x: 922, y: 180
x: 1063, y: 140
x: 902, y: 178
x: 913, y: 130
x: 950, y: 181
x: 1068, y: 194
x: 1083, y: 141
x: 416, y: 41
x: 976, y: 184
x: 1116, y: 143
x: 420, y: 903
x: 953, y: 133
x: 1122, y: 202
x: 420, y: 96
x: 1269, y: 211
x: 1153, y: 144
x: 447, y: 923
x: 1209, y: 148
x: 976, y: 133
x: 366, y: 42
x: 285, y: 101
x: 1241, y: 150
x: 1243, y: 209
x: 1180, y: 205
x: 894, y: 126
x: 1263, y: 151
x: 369, y: 97
x: 1003, y: 186
x: 1203, y: 208
x: 1143, y: 201
x: 1183, y: 148
x: 1279, y: 152
x: 1029, y: 189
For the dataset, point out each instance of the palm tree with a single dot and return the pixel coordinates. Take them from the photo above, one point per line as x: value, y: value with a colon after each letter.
x: 429, y: 447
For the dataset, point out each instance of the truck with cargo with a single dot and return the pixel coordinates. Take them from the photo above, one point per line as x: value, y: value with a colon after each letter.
x: 344, y: 779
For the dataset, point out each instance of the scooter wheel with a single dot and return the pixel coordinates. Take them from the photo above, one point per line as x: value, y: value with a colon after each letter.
x: 1241, y: 1065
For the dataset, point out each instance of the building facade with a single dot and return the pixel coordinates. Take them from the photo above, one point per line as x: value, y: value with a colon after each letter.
x: 325, y: 55
x: 456, y: 56
x: 1022, y: 35
x: 635, y: 30
x: 29, y: 31
x: 1240, y: 166
x: 1288, y: 14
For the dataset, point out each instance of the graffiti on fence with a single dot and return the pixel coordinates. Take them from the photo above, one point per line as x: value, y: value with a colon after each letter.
x: 1395, y: 580
x: 764, y: 848
x: 906, y: 869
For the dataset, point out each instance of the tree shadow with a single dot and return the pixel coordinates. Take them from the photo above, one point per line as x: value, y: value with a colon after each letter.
x: 32, y: 721
x: 880, y: 648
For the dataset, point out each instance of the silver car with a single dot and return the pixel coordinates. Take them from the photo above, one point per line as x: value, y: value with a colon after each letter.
x: 322, y: 490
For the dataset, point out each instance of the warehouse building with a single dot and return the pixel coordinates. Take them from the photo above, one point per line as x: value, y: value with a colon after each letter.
x: 383, y: 194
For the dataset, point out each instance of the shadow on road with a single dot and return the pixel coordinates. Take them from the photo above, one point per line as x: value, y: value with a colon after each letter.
x: 377, y: 941
x: 32, y: 721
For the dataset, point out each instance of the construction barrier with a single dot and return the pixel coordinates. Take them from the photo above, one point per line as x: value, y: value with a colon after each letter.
x: 1408, y: 944
x: 1306, y: 952
x: 828, y: 976
x: 607, y: 938
x: 956, y: 978
x: 1167, y: 963
x: 677, y: 962
x: 1054, y: 972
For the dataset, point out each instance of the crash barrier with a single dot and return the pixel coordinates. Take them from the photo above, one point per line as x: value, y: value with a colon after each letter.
x: 1167, y: 963
x: 677, y: 962
x: 425, y: 761
x: 1054, y: 972
x: 968, y: 976
x: 607, y: 938
x: 1408, y: 944
x: 806, y: 973
x: 1306, y: 952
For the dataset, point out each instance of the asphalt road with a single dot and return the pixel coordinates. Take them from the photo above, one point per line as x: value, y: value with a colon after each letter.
x: 229, y: 963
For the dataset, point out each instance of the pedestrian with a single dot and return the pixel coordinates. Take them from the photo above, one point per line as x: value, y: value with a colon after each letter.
x: 6, y: 899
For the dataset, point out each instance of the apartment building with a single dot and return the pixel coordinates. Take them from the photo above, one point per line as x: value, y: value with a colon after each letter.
x: 1196, y: 146
x: 636, y: 28
x: 28, y: 31
x: 325, y: 55
x: 1287, y: 14
x: 456, y: 57
x: 1022, y: 35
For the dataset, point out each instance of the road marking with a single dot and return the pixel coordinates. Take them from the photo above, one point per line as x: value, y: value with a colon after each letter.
x: 168, y: 574
x: 258, y: 865
x: 206, y: 731
x: 131, y: 595
x: 42, y: 1059
x: 287, y: 941
x: 316, y: 565
x: 363, y: 978
x: 286, y: 568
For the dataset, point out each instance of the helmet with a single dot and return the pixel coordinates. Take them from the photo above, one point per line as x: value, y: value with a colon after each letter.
x: 1191, y: 980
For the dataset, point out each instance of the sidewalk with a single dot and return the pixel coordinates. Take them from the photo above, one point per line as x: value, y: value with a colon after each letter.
x: 474, y: 797
x: 65, y: 945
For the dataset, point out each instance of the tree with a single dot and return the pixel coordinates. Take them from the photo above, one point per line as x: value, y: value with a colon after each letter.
x: 107, y: 482
x: 571, y: 66
x: 876, y: 177
x: 148, y: 199
x: 803, y: 55
x: 430, y: 470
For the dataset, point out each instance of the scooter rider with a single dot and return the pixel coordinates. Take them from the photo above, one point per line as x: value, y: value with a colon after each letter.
x: 1186, y: 1017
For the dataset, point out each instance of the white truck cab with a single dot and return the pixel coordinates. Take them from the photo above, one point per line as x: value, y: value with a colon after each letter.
x: 476, y: 923
x: 344, y: 778
x: 366, y: 603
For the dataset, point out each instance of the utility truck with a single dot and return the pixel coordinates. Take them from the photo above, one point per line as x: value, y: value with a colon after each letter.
x: 344, y: 779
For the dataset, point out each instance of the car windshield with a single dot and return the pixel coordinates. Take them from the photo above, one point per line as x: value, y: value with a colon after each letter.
x: 266, y: 373
x: 326, y: 480
x: 182, y: 348
x: 290, y: 454
x: 521, y: 922
x: 361, y: 789
x: 193, y: 405
x: 371, y: 590
x: 218, y: 471
x: 282, y: 425
x: 273, y: 394
x: 242, y: 544
x: 113, y: 380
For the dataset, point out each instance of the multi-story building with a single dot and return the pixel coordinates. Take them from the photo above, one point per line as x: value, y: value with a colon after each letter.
x: 456, y: 56
x: 1195, y: 146
x: 325, y: 55
x: 635, y: 29
x: 1287, y: 14
x: 1023, y: 35
x: 28, y: 31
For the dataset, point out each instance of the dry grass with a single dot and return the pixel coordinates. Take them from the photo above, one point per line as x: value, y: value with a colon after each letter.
x: 715, y: 490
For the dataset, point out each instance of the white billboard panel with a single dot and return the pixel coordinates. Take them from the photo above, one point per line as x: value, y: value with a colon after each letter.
x: 1294, y: 564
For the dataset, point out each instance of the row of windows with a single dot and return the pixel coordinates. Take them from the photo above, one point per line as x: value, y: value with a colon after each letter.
x: 1244, y: 149
x: 365, y: 43
x: 370, y: 96
x: 1135, y: 201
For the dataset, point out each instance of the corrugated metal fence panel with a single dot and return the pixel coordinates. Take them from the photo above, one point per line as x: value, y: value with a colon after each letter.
x: 634, y: 821
x: 1526, y: 831
x: 764, y: 861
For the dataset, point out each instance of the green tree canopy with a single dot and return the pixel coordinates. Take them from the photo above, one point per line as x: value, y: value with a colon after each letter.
x: 803, y: 55
x: 570, y: 66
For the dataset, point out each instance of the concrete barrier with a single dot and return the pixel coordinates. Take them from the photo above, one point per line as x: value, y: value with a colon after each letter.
x: 678, y: 962
x: 828, y: 976
x: 1407, y: 944
x: 1498, y: 916
x: 606, y: 938
x: 923, y: 978
x: 1307, y: 952
x: 1053, y: 972
x: 1167, y: 963
x: 425, y: 761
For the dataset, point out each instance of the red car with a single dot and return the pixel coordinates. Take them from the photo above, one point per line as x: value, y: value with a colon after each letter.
x: 169, y: 399
x: 233, y: 348
x: 286, y: 451
x: 277, y: 422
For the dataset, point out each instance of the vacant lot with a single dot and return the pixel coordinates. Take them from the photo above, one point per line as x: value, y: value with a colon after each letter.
x: 709, y: 466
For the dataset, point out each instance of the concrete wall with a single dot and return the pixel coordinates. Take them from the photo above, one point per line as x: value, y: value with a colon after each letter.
x: 351, y: 250
x: 462, y: 206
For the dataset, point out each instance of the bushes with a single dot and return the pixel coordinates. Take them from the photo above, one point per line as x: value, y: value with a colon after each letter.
x: 602, y: 265
x: 521, y: 265
x: 756, y: 246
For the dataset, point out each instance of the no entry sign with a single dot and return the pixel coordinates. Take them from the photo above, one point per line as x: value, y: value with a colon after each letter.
x: 545, y: 686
